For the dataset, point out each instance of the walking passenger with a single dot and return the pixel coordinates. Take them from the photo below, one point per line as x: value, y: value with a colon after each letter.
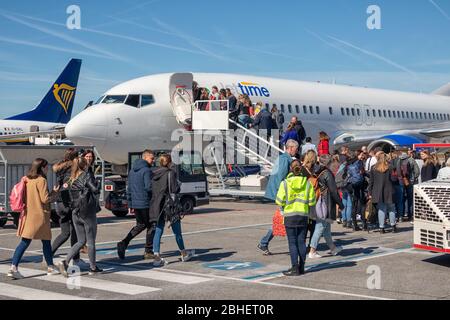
x: 308, y: 146
x: 279, y: 172
x: 278, y: 119
x: 381, y: 191
x: 35, y: 224
x: 62, y: 170
x: 165, y: 189
x: 308, y: 165
x: 325, y: 207
x: 232, y: 101
x: 84, y: 212
x: 300, y: 129
x: 324, y: 144
x: 139, y: 195
x: 290, y: 134
x: 223, y: 99
x: 296, y: 196
x: 263, y: 121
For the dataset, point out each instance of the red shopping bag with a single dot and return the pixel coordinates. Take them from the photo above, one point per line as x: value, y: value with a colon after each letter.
x: 278, y: 227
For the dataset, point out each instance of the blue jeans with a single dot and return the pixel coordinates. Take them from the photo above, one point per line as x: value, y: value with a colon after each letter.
x: 244, y: 120
x: 399, y: 199
x: 347, y: 200
x: 383, y: 209
x: 267, y: 238
x: 323, y: 228
x: 297, y: 243
x: 23, y: 246
x: 176, y: 228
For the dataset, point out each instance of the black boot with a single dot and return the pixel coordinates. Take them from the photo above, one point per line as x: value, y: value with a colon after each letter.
x: 292, y: 272
x: 365, y: 228
x: 301, y: 268
x: 382, y: 231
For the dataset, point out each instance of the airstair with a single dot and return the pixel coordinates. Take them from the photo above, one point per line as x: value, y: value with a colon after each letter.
x: 249, y: 147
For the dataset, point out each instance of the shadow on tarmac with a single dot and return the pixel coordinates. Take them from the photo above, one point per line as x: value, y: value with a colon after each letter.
x: 443, y: 260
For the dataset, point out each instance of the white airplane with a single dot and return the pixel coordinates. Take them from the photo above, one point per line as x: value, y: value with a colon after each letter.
x: 52, y: 113
x: 143, y: 113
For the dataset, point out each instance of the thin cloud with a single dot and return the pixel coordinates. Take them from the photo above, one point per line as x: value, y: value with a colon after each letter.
x: 330, y: 44
x: 115, y: 35
x: 50, y: 47
x: 374, y: 55
x: 64, y: 37
x: 192, y: 41
x: 440, y: 9
x: 222, y: 44
x: 22, y: 77
x: 139, y: 6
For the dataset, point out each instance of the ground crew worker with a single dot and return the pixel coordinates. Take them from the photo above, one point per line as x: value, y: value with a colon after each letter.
x: 296, y: 195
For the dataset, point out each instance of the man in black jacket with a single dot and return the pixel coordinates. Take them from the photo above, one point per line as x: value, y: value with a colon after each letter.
x: 300, y: 130
x: 263, y: 121
x: 139, y: 193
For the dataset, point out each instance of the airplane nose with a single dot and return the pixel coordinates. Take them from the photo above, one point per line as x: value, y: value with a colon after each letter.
x: 88, y: 128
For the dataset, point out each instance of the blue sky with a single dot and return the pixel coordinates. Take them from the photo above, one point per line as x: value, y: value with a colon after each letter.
x: 319, y: 40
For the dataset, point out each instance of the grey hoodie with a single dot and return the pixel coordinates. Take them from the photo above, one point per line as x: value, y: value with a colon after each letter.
x: 414, y: 173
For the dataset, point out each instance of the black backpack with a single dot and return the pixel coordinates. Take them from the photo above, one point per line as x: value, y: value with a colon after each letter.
x: 172, y: 209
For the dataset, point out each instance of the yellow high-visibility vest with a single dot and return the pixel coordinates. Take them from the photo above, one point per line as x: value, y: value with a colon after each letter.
x: 296, y: 195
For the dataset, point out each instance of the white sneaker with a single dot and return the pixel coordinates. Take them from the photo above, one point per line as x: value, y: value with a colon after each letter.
x: 336, y: 251
x: 189, y: 255
x: 314, y: 255
x: 15, y: 274
x: 160, y: 262
x: 52, y: 271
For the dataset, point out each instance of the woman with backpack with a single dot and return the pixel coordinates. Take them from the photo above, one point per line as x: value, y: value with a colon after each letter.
x: 356, y: 179
x: 325, y: 207
x: 381, y: 191
x: 84, y: 206
x: 35, y: 219
x: 296, y: 195
x: 63, y: 170
x: 165, y: 207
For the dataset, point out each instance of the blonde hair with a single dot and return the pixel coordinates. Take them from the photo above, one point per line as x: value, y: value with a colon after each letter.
x: 310, y: 159
x: 165, y: 160
x: 382, y: 164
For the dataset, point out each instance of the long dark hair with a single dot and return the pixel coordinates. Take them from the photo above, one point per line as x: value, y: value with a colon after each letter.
x: 37, y: 169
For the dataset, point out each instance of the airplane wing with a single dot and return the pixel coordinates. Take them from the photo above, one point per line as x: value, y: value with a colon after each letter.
x: 440, y: 131
x: 25, y: 137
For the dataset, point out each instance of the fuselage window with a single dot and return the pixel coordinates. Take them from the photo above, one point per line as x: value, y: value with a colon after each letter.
x: 403, y: 114
x: 342, y: 111
x: 425, y: 116
x: 398, y: 114
x: 389, y: 113
x: 318, y: 110
x: 358, y: 112
x: 429, y: 115
x: 395, y: 115
x: 385, y: 113
x: 348, y: 111
x: 297, y: 109
x: 290, y: 108
x: 368, y: 112
x: 353, y: 112
x: 133, y: 100
x: 331, y: 110
x: 305, y: 110
x: 282, y: 108
x: 379, y: 113
x: 374, y: 113
x: 311, y: 110
x: 114, y: 99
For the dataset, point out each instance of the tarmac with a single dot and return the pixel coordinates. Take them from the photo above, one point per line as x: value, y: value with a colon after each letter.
x: 228, y: 266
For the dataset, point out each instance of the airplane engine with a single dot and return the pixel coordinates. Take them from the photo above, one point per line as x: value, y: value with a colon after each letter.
x: 391, y: 142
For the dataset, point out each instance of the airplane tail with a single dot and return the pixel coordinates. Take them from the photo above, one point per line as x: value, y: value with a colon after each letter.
x: 57, y: 105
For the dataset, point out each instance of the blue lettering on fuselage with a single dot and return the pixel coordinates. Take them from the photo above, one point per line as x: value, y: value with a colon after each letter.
x: 253, y: 90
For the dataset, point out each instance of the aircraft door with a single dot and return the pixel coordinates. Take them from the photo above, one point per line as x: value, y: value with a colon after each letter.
x: 181, y: 97
x: 367, y: 110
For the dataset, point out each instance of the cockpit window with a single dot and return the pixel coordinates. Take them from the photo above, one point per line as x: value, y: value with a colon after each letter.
x: 147, y: 100
x: 100, y: 100
x: 133, y: 100
x: 114, y: 99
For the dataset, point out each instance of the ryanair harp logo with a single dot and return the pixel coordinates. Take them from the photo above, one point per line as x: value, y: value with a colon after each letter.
x: 64, y: 94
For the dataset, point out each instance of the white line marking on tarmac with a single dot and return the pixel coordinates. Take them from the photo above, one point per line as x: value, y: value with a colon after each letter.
x: 26, y: 293
x: 287, y: 286
x: 86, y: 282
x: 161, y: 275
